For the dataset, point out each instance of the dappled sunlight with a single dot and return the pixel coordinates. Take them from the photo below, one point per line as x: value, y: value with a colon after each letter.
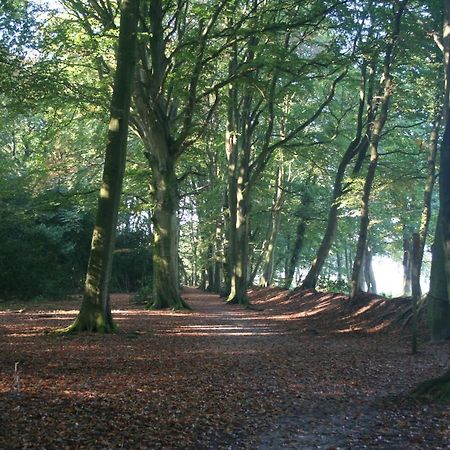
x: 222, y: 330
x: 365, y: 329
x: 185, y: 371
x: 366, y: 308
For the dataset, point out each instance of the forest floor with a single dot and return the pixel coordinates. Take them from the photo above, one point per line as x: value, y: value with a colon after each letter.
x: 305, y: 371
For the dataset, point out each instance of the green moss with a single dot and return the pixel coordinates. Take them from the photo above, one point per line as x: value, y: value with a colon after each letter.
x: 436, y: 389
x: 174, y: 304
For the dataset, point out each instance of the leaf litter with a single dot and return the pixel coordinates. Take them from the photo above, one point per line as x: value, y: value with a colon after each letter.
x: 300, y: 370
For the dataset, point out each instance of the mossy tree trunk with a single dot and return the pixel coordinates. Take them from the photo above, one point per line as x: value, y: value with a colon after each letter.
x: 166, y: 289
x: 239, y: 274
x: 434, y: 389
x: 232, y: 159
x: 438, y: 301
x: 169, y: 123
x: 95, y: 312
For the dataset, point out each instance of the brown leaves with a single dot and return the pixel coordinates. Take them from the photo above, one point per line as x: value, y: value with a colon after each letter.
x: 218, y: 377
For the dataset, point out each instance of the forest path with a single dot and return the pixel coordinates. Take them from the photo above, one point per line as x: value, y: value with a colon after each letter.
x: 212, y: 316
x: 217, y: 377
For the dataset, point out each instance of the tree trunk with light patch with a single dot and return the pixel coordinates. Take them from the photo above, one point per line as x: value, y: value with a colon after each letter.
x: 166, y: 292
x: 375, y: 137
x: 239, y: 274
x: 369, y: 275
x: 95, y: 313
x: 407, y: 262
x: 355, y: 146
x: 269, y: 256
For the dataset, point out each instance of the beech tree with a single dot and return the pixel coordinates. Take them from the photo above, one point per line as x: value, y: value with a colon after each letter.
x: 382, y: 106
x: 95, y: 311
x: 438, y: 296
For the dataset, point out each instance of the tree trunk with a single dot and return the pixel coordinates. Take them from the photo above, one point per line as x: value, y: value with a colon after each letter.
x: 299, y: 241
x: 415, y: 289
x: 269, y: 256
x: 166, y: 292
x: 296, y: 250
x: 310, y: 281
x: 231, y: 151
x: 364, y: 221
x: 348, y: 258
x: 368, y: 271
x: 95, y: 312
x: 339, y: 266
x: 375, y: 137
x: 312, y: 276
x: 218, y: 257
x: 238, y: 187
x: 428, y: 193
x: 439, y: 295
x: 407, y: 262
x: 210, y: 267
x: 239, y: 274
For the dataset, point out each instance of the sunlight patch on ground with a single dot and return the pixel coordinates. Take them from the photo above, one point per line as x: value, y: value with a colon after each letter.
x: 222, y: 330
x: 364, y: 309
x: 370, y: 330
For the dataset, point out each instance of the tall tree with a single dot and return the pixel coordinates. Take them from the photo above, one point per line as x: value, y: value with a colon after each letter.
x: 383, y: 100
x: 167, y: 121
x: 357, y: 145
x: 95, y: 312
x: 269, y: 250
x: 261, y: 125
x: 438, y: 296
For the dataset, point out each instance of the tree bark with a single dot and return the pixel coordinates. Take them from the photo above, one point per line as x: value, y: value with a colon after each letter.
x: 239, y: 232
x: 429, y: 186
x: 296, y: 250
x: 439, y: 294
x: 369, y: 275
x: 95, y: 312
x: 312, y: 277
x: 166, y: 292
x: 300, y: 231
x: 210, y: 267
x: 269, y: 256
x: 232, y: 159
x: 407, y: 262
x: 375, y: 137
x: 218, y: 257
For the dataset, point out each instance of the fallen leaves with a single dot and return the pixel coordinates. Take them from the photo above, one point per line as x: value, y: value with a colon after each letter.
x: 218, y: 377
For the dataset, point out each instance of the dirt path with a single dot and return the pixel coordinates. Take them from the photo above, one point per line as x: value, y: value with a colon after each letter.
x: 217, y: 377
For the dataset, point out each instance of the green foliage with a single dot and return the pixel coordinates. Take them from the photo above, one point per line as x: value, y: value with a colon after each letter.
x: 132, y: 263
x: 329, y: 285
x: 56, y: 69
x: 143, y: 295
x: 42, y: 254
